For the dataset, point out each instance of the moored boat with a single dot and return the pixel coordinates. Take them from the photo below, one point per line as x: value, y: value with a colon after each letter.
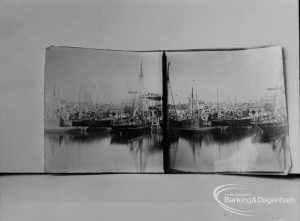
x: 191, y: 125
x: 140, y: 117
x: 191, y: 120
x: 232, y: 122
x: 93, y: 123
x: 59, y: 126
x: 131, y: 127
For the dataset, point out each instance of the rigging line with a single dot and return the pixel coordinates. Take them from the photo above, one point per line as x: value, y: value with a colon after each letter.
x: 278, y: 87
x: 172, y: 94
x: 171, y: 88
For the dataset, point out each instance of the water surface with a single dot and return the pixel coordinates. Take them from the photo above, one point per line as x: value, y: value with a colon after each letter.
x: 103, y: 151
x: 242, y: 150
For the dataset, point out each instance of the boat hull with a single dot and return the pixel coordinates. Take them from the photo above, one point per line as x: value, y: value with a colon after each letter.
x: 92, y: 123
x: 189, y: 123
x: 131, y: 128
x: 232, y: 123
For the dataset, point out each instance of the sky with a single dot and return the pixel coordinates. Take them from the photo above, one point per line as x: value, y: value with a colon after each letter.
x: 107, y: 76
x: 244, y: 74
x: 102, y: 75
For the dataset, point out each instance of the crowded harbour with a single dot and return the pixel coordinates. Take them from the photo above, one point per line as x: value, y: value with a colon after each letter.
x: 204, y: 136
x: 120, y: 121
x: 143, y: 111
x: 198, y: 115
x: 103, y: 151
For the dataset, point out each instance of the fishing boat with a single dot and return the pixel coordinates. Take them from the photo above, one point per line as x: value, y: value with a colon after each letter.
x: 139, y: 119
x: 192, y: 120
x: 191, y: 126
x: 91, y: 119
x: 232, y: 122
x: 232, y: 117
x: 57, y: 121
x: 51, y: 127
x: 93, y: 123
x: 131, y: 126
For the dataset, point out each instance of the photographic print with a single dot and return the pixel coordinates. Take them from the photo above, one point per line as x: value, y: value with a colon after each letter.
x: 102, y: 111
x: 227, y: 111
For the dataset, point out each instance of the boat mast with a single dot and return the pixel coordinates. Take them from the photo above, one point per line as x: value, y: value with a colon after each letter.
x: 79, y: 106
x: 217, y: 98
x: 53, y: 100
x: 193, y: 98
x: 79, y: 98
x: 170, y: 87
x: 235, y: 100
x: 140, y: 91
x: 141, y: 75
x: 141, y: 86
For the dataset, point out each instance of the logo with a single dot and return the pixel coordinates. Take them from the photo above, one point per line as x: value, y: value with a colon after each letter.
x: 237, y: 199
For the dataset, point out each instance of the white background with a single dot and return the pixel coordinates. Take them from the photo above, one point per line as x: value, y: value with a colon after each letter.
x: 28, y: 27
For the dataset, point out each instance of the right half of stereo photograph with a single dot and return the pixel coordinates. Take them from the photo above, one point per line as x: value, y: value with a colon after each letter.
x: 227, y: 111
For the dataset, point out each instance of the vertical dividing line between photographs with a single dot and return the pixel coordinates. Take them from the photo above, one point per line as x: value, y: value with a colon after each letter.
x: 165, y: 128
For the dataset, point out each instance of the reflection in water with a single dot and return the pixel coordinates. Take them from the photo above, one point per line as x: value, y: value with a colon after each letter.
x: 103, y: 151
x: 242, y: 150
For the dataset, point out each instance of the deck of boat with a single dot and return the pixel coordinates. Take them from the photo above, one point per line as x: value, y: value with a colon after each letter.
x: 131, y: 128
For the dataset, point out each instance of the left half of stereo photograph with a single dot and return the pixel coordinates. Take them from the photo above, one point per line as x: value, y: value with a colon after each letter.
x: 102, y: 111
